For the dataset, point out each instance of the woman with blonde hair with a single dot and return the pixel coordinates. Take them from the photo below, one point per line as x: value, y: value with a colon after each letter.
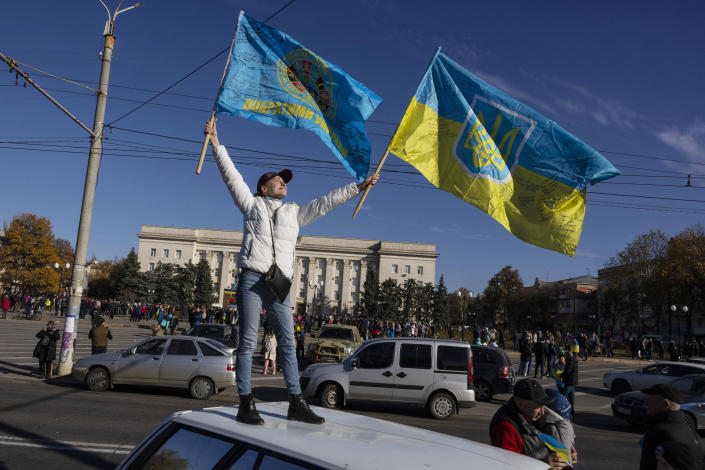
x: 270, y: 351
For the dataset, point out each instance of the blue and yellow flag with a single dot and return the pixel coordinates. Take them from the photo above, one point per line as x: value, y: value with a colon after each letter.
x: 554, y: 445
x: 273, y: 79
x: 483, y: 146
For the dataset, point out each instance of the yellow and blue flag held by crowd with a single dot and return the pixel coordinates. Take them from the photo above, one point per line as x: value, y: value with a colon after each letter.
x: 273, y: 79
x: 474, y: 141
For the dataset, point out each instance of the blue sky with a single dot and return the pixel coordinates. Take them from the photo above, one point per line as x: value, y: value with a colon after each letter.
x: 625, y: 77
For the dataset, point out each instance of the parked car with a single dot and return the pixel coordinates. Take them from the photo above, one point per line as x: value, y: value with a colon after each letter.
x: 492, y: 372
x: 430, y: 372
x: 631, y: 406
x: 216, y: 331
x: 212, y: 438
x: 620, y: 381
x: 333, y: 343
x: 166, y: 361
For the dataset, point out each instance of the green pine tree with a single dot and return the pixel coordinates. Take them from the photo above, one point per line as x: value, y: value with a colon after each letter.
x: 369, y: 295
x: 128, y: 279
x: 440, y: 304
x: 204, y: 294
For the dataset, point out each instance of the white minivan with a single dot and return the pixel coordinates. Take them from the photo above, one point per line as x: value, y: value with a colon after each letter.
x: 436, y: 373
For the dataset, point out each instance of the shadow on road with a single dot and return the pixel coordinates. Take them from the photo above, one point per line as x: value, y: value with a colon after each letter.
x: 604, y: 422
x: 10, y: 368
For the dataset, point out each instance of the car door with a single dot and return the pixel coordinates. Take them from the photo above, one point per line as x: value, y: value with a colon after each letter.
x: 179, y: 363
x: 650, y: 375
x: 142, y: 367
x: 373, y: 377
x: 413, y: 373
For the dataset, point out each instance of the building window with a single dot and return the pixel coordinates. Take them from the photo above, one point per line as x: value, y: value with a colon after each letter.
x: 395, y: 268
x: 353, y: 296
x: 302, y: 293
x: 338, y: 265
x: 356, y: 267
x: 153, y: 252
x: 151, y: 266
x: 219, y: 258
x: 321, y: 264
x: 407, y: 269
x: 336, y: 295
x: 419, y: 270
x: 304, y: 263
x: 337, y: 279
x: 320, y: 281
x: 303, y: 279
x: 202, y: 256
x: 165, y: 253
x: 177, y: 254
x: 217, y: 272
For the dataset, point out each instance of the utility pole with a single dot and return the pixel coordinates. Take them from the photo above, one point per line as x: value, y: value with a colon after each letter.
x: 84, y: 226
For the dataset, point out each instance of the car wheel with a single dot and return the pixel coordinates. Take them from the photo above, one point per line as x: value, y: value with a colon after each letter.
x: 620, y: 386
x: 331, y: 396
x: 483, y: 392
x: 691, y: 421
x: 98, y: 379
x: 201, y: 388
x: 441, y: 406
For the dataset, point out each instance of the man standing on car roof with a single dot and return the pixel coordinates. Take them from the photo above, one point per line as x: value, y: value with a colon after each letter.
x: 667, y: 425
x: 513, y: 426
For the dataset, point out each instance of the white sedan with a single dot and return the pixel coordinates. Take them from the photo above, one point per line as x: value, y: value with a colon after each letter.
x: 621, y: 381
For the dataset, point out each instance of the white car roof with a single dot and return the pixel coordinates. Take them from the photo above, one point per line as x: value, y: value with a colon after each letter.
x: 350, y: 441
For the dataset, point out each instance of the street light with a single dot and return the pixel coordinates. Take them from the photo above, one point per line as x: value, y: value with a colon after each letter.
x: 61, y: 270
x: 684, y: 309
x: 315, y: 286
x: 462, y: 315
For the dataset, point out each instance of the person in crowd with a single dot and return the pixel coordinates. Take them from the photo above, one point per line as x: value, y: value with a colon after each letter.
x: 550, y: 357
x: 5, y: 306
x: 540, y: 353
x: 269, y: 344
x: 45, y: 350
x: 569, y: 377
x: 514, y: 425
x: 524, y: 356
x: 556, y: 419
x: 270, y: 231
x: 99, y: 336
x: 667, y: 425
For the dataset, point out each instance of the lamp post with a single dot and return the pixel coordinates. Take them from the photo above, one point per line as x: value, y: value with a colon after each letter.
x: 315, y: 286
x: 461, y: 301
x: 683, y: 309
x: 61, y: 270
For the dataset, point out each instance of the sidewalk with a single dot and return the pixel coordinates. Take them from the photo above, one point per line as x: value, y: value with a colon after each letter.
x: 617, y: 361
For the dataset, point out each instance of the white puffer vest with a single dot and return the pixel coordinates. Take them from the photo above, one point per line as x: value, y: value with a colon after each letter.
x: 256, y: 252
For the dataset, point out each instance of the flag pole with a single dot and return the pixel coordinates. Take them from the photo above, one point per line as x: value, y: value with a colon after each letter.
x: 384, y: 157
x: 379, y: 167
x: 212, y: 119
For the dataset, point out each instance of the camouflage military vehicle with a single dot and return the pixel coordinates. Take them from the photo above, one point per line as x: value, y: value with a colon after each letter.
x: 333, y: 343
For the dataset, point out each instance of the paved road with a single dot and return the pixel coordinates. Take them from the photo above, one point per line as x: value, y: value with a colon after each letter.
x: 61, y: 424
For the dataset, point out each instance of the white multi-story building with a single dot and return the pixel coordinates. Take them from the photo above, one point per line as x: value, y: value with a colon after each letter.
x: 329, y: 273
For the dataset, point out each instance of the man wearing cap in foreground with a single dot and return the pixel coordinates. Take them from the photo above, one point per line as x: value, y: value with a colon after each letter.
x: 513, y: 426
x: 271, y: 229
x: 667, y: 426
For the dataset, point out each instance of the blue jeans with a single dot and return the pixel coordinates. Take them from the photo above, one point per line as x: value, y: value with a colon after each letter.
x: 569, y: 393
x: 252, y: 295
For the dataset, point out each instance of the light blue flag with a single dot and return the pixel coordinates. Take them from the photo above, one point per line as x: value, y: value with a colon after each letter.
x: 273, y: 79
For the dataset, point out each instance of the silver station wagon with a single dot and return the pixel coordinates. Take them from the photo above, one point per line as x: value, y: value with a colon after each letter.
x: 202, y: 365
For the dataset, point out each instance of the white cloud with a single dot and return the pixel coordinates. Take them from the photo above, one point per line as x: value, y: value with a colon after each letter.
x: 509, y: 88
x: 604, y: 111
x: 690, y: 141
x: 587, y: 254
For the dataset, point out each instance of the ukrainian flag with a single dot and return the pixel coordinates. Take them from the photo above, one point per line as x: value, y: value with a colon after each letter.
x: 483, y: 146
x: 554, y: 445
x: 273, y: 79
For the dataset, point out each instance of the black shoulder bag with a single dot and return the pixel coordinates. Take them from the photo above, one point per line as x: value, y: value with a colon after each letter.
x: 278, y: 283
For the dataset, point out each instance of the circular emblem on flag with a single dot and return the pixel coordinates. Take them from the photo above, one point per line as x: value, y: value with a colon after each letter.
x: 307, y: 77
